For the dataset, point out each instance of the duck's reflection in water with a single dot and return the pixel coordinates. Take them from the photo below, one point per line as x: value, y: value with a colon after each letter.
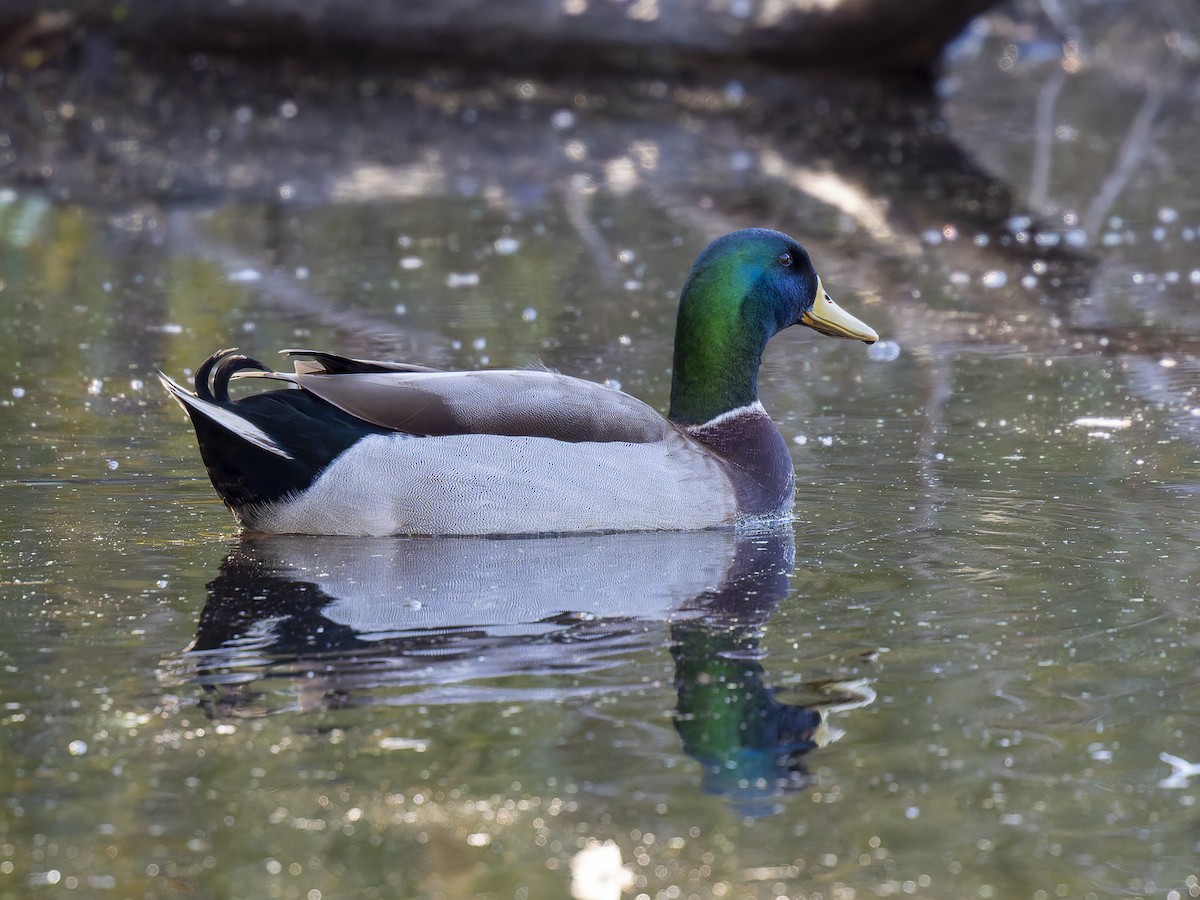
x: 348, y: 621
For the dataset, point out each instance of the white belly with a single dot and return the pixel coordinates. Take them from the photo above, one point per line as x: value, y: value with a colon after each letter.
x: 487, y: 484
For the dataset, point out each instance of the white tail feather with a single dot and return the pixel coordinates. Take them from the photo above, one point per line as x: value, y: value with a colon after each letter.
x: 226, y: 418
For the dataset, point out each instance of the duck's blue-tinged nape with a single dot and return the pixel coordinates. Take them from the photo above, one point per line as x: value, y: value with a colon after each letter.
x: 312, y: 432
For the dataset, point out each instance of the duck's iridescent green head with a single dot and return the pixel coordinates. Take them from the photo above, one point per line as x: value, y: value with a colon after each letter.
x: 744, y: 288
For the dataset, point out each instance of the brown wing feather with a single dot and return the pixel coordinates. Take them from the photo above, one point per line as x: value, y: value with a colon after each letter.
x: 514, y: 402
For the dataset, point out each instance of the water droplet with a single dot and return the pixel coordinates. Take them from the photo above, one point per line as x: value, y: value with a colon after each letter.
x: 411, y: 262
x: 529, y: 314
x: 288, y: 109
x: 506, y: 246
x: 400, y: 309
x: 562, y: 119
x: 95, y: 386
x: 825, y: 440
x: 112, y: 464
x: 18, y: 392
x: 1167, y: 215
x: 462, y: 279
x: 479, y: 343
x: 800, y: 439
x: 994, y: 278
x: 245, y: 275
x: 77, y: 748
x: 884, y: 351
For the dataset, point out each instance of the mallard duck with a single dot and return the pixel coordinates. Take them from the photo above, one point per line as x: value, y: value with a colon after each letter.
x: 362, y: 447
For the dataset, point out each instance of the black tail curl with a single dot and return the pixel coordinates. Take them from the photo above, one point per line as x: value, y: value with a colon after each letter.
x: 214, y: 374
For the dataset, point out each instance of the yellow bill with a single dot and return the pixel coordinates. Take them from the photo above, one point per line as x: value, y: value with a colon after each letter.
x: 829, y: 318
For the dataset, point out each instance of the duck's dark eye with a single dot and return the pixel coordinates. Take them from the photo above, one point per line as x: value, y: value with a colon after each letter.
x: 784, y: 259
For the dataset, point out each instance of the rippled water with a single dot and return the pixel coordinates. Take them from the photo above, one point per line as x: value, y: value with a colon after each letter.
x: 955, y: 675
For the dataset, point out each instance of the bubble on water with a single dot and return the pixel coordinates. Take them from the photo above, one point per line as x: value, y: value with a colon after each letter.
x: 1159, y: 234
x: 960, y: 278
x: 981, y: 240
x: 1029, y: 282
x: 1018, y: 223
x: 800, y: 439
x: 562, y: 119
x: 994, y: 278
x: 931, y: 236
x: 245, y: 276
x: 1188, y: 234
x: 825, y: 440
x: 612, y: 383
x: 18, y: 392
x: 400, y: 309
x: 884, y: 351
x: 506, y: 246
x: 112, y: 464
x: 462, y: 279
x: 301, y: 272
x: 633, y: 285
x: 95, y: 386
x: 288, y: 109
x: 740, y: 161
x: 411, y: 262
x: 479, y: 343
x: 1047, y: 238
x: 1076, y: 237
x: 1110, y: 239
x: 1167, y: 215
x: 1168, y: 363
x: 1194, y: 276
x: 626, y: 256
x: 529, y: 314
x: 624, y: 340
x: 77, y: 748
